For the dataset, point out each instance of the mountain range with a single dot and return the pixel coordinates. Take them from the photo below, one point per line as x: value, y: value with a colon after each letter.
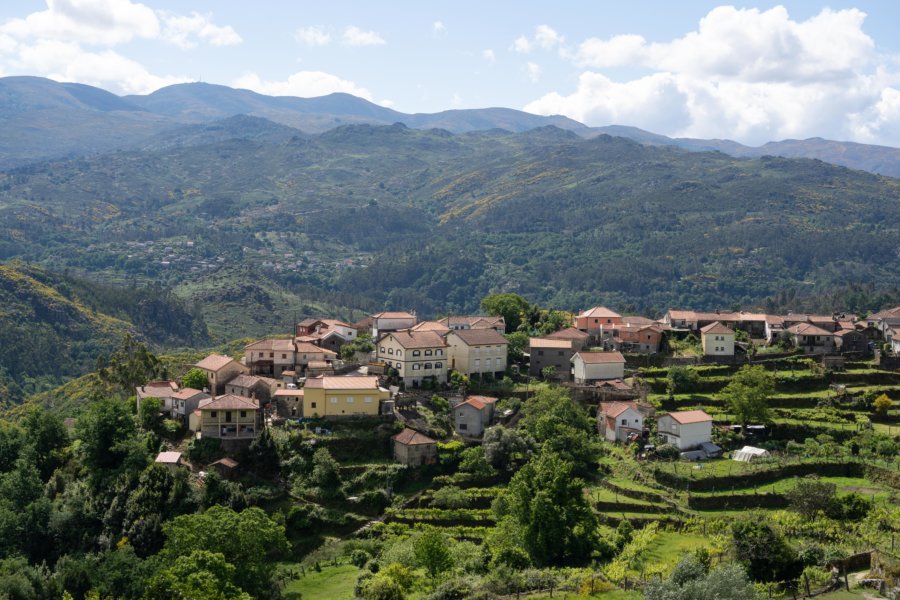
x: 42, y: 119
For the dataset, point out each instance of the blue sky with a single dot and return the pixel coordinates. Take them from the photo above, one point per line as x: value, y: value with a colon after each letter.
x: 751, y: 72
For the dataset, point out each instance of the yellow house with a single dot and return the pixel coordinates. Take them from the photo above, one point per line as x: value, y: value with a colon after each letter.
x: 477, y: 351
x: 230, y: 417
x: 335, y: 396
x: 717, y: 340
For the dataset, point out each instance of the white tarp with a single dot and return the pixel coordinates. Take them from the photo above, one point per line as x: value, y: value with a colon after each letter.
x: 748, y: 453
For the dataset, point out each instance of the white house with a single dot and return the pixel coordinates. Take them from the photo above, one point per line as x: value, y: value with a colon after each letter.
x: 595, y: 366
x: 387, y: 321
x: 616, y: 420
x: 717, y: 340
x: 477, y: 351
x: 417, y: 355
x: 686, y: 429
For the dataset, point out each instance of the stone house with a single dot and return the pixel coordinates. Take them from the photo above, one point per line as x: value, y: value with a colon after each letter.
x: 269, y: 358
x: 230, y: 417
x: 547, y: 352
x: 472, y: 416
x: 414, y: 449
x: 252, y: 386
x: 219, y: 370
x: 477, y: 352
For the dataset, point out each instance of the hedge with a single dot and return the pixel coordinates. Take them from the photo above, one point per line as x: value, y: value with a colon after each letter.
x: 709, y: 484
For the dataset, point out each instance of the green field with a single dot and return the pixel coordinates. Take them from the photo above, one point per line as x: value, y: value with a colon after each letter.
x: 332, y: 583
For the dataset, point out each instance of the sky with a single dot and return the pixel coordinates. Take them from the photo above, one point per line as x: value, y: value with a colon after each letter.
x: 752, y: 73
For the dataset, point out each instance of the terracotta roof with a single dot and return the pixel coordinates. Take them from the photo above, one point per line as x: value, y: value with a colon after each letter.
x: 339, y: 382
x: 231, y: 402
x: 310, y: 348
x: 418, y: 339
x: 617, y: 384
x: 157, y: 389
x: 599, y: 358
x: 716, y: 328
x: 430, y: 326
x: 774, y: 320
x: 364, y: 323
x: 614, y: 409
x: 226, y: 462
x: 474, y: 321
x: 187, y: 394
x: 479, y: 337
x: 411, y: 437
x: 288, y: 393
x: 394, y: 315
x: 600, y: 311
x: 474, y: 402
x: 318, y: 364
x: 550, y: 343
x: 636, y: 320
x: 272, y: 345
x: 245, y: 381
x: 168, y: 458
x: 887, y: 313
x: 569, y: 333
x: 690, y: 416
x: 807, y: 329
x: 214, y: 362
x: 483, y: 399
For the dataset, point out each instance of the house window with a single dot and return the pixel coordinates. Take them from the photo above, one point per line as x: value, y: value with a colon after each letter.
x: 428, y: 353
x: 368, y: 399
x: 416, y: 366
x: 349, y: 399
x: 540, y: 352
x: 624, y: 421
x: 228, y: 416
x: 438, y: 352
x: 271, y: 355
x: 213, y: 414
x: 390, y: 350
x: 382, y: 349
x: 463, y: 426
x: 333, y: 399
x: 477, y: 363
x: 560, y: 352
x: 427, y: 366
x: 284, y: 356
x: 416, y: 353
x: 399, y: 353
x: 438, y: 365
x: 243, y: 414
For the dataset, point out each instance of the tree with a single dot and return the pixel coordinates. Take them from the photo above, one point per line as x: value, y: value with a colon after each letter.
x: 130, y: 365
x: 811, y: 496
x: 326, y: 473
x: 517, y: 341
x: 148, y: 413
x: 195, y: 379
x: 681, y: 380
x: 504, y: 446
x: 882, y: 405
x: 747, y: 394
x: 548, y: 373
x: 105, y: 430
x: 690, y: 581
x: 473, y: 461
x: 511, y: 307
x: 764, y: 552
x: 249, y: 540
x: 548, y: 503
x: 432, y: 552
x: 45, y: 437
x: 201, y: 574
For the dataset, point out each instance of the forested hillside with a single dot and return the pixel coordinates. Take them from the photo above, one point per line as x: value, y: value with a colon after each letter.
x: 367, y: 216
x: 53, y: 327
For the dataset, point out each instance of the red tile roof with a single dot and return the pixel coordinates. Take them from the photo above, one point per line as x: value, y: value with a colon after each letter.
x: 418, y: 339
x: 214, y: 362
x: 479, y: 337
x: 231, y: 402
x: 339, y: 382
x: 614, y: 409
x: 569, y: 333
x: 716, y: 328
x: 411, y: 437
x: 600, y: 312
x: 599, y: 358
x: 686, y: 417
x: 808, y: 329
x: 550, y: 343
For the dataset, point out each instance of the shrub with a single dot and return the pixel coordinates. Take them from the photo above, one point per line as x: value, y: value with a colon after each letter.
x: 359, y: 558
x: 668, y: 452
x: 450, y: 497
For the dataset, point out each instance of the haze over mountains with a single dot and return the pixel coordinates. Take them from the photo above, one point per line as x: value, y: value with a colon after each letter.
x: 42, y: 119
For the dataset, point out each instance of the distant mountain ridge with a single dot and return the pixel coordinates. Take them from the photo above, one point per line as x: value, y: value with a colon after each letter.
x: 41, y: 119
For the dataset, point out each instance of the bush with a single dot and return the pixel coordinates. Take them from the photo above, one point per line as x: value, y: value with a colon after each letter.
x: 668, y: 452
x: 359, y: 558
x: 204, y: 449
x: 449, y: 497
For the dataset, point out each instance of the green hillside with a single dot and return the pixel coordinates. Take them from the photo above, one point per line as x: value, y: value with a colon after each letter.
x: 367, y: 216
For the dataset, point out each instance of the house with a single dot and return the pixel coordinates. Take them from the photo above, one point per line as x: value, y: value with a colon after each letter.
x: 852, y: 340
x: 252, y: 386
x: 416, y: 355
x: 477, y: 352
x: 194, y: 418
x: 598, y: 321
x: 186, y: 401
x: 812, y: 339
x: 289, y: 403
x: 895, y: 340
x: 685, y: 429
x: 230, y: 417
x: 336, y: 396
x: 579, y: 339
x: 617, y: 420
x: 717, y: 340
x: 547, y: 352
x: 219, y: 370
x: 161, y: 390
x: 226, y: 467
x: 384, y: 322
x: 886, y: 321
x: 774, y: 328
x: 435, y: 326
x: 326, y: 333
x: 269, y: 357
x: 414, y: 449
x: 588, y: 367
x: 473, y: 415
x: 169, y: 459
x: 639, y: 334
x: 308, y: 353
x: 457, y: 322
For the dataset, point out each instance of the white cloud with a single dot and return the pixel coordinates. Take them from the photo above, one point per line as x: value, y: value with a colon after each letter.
x: 746, y: 74
x: 312, y: 36
x: 547, y: 37
x: 522, y: 45
x: 98, y: 22
x: 185, y: 30
x: 533, y: 70
x: 354, y: 36
x: 487, y: 55
x: 307, y: 84
x: 438, y: 28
